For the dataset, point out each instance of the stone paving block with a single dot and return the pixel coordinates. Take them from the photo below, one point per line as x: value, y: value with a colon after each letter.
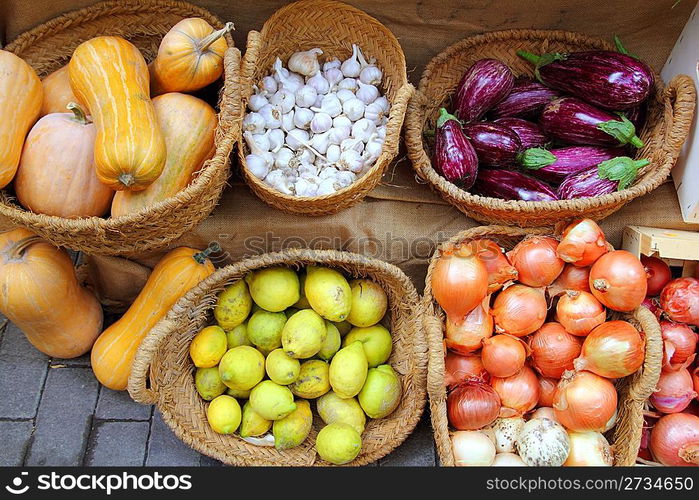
x: 14, y: 437
x: 416, y: 450
x: 64, y: 418
x: 16, y: 345
x: 21, y: 381
x: 83, y: 361
x: 165, y: 449
x: 207, y: 461
x: 117, y: 405
x: 117, y: 444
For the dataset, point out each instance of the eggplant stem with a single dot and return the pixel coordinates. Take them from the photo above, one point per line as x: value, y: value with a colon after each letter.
x: 528, y: 56
x: 445, y: 116
x: 637, y: 142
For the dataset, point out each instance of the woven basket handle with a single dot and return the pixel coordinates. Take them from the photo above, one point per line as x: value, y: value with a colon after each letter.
x: 395, y: 119
x: 249, y: 64
x: 414, y: 125
x: 229, y: 102
x: 680, y: 102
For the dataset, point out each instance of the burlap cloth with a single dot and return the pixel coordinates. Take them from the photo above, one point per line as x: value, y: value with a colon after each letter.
x: 401, y: 221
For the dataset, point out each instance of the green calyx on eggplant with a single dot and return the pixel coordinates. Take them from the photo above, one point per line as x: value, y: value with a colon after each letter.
x: 622, y: 169
x: 623, y: 131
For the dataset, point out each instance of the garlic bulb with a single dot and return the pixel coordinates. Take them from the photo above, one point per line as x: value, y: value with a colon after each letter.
x: 333, y: 63
x: 319, y: 83
x: 319, y: 142
x: 330, y: 105
x: 284, y: 99
x: 321, y: 123
x: 344, y: 95
x: 353, y: 109
x: 345, y: 178
x: 383, y: 102
x: 342, y: 121
x: 287, y: 80
x: 367, y: 93
x: 348, y: 84
x: 296, y: 138
x: 328, y: 173
x: 355, y: 144
x: 351, y: 160
x: 305, y: 188
x: 254, y: 122
x: 271, y: 115
x: 308, y: 171
x: 303, y: 117
x: 306, y: 62
x: 381, y: 131
x: 305, y: 96
x: 352, y: 67
x: 363, y: 129
x: 333, y: 152
x: 339, y: 134
x: 374, y: 112
x: 373, y: 149
x: 277, y: 180
x: 257, y: 100
x: 288, y: 120
x: 371, y: 75
x: 333, y: 76
x: 276, y: 139
x: 326, y: 187
x: 269, y: 84
x: 261, y: 141
x: 283, y: 157
x: 257, y: 166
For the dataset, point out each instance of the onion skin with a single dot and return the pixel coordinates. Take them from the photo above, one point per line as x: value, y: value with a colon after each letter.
x: 508, y: 460
x: 571, y: 278
x: 695, y: 379
x: 543, y: 443
x: 658, y: 273
x: 519, y: 310
x: 499, y: 269
x: 614, y: 349
x: 674, y: 440
x: 588, y: 449
x: 553, y: 350
x: 618, y: 280
x: 536, y: 260
x: 465, y: 335
x: 680, y: 300
x: 585, y: 402
x: 519, y: 392
x: 472, y: 405
x: 544, y: 412
x: 675, y: 391
x: 503, y: 355
x: 462, y: 368
x: 680, y: 345
x: 547, y: 388
x: 459, y: 281
x: 582, y: 243
x: 580, y: 312
x: 653, y: 306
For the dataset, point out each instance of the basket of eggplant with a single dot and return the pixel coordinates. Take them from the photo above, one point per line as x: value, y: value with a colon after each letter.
x: 532, y: 127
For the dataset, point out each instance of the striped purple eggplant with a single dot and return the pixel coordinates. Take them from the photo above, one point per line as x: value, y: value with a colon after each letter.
x: 609, y: 176
x: 529, y: 133
x: 610, y: 80
x: 511, y: 185
x: 571, y: 120
x: 556, y: 164
x: 527, y: 98
x: 483, y: 85
x: 496, y: 145
x: 637, y: 115
x: 454, y: 155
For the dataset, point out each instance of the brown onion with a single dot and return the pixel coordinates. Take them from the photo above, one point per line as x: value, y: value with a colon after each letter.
x: 674, y: 440
x: 618, y: 280
x: 614, y: 349
x: 580, y: 312
x: 553, y: 350
x: 459, y: 281
x: 680, y: 345
x: 585, y: 402
x: 461, y: 368
x: 472, y: 405
x: 519, y: 310
x: 675, y: 390
x: 582, y: 243
x: 500, y: 271
x: 466, y: 334
x: 658, y: 273
x: 680, y: 300
x: 519, y: 392
x: 536, y: 260
x: 547, y: 388
x: 571, y: 278
x: 503, y: 355
x: 588, y: 448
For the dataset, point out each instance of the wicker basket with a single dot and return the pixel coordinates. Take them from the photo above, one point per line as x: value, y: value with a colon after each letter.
x: 669, y: 117
x: 333, y: 27
x: 48, y: 47
x: 633, y: 390
x: 162, y: 363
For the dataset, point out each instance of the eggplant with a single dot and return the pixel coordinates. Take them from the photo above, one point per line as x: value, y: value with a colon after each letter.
x: 571, y: 120
x: 482, y: 86
x: 607, y: 79
x: 511, y: 185
x: 529, y: 133
x: 527, y: 98
x: 609, y: 176
x: 637, y: 115
x: 496, y: 145
x: 556, y: 164
x: 455, y: 158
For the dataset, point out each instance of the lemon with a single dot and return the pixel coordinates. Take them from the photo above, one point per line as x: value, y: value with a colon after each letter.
x: 282, y: 368
x: 332, y: 408
x: 238, y: 394
x: 233, y: 306
x: 376, y: 340
x: 332, y: 342
x: 348, y: 370
x: 328, y: 293
x: 369, y: 303
x: 272, y: 401
x: 313, y: 380
x: 303, y: 334
x: 252, y: 423
x: 338, y: 443
x: 208, y: 346
x: 265, y: 329
x: 242, y: 368
x: 293, y: 429
x: 208, y: 383
x: 381, y: 393
x: 302, y: 303
x: 343, y: 327
x: 224, y: 414
x: 275, y: 288
x: 238, y: 336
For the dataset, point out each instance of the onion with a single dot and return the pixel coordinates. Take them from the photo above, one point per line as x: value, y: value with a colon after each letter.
x: 519, y: 392
x: 580, y: 312
x: 458, y: 369
x: 614, y: 349
x: 503, y: 355
x: 588, y: 448
x: 500, y: 271
x: 675, y: 390
x: 553, y: 350
x: 695, y: 379
x: 472, y: 448
x: 459, y: 281
x: 653, y: 306
x: 506, y: 431
x: 536, y: 260
x: 465, y: 335
x: 680, y: 300
x: 543, y: 442
x: 547, y: 388
x: 643, y: 449
x: 658, y: 274
x: 582, y: 243
x: 544, y: 412
x: 519, y: 310
x: 585, y: 402
x: 618, y: 280
x: 508, y: 460
x: 571, y: 278
x: 472, y: 405
x: 680, y: 345
x: 675, y: 440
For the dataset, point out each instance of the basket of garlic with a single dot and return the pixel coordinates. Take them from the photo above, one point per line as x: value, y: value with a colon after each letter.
x: 326, y: 92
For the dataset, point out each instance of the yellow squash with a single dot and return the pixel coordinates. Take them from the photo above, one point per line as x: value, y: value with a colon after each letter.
x: 110, y: 76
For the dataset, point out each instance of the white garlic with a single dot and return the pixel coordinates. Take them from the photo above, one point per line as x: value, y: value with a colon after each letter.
x: 308, y: 171
x: 276, y: 139
x: 319, y: 101
x: 352, y: 67
x: 305, y: 155
x: 306, y: 62
x: 333, y: 153
x: 328, y: 173
x: 284, y: 99
x: 261, y: 141
x: 319, y: 142
x: 257, y: 166
x: 305, y: 188
x: 257, y: 100
x: 345, y: 178
x: 374, y: 112
x: 269, y: 84
x: 295, y: 138
x: 321, y: 122
x: 285, y: 77
x: 348, y: 84
x: 326, y: 187
x: 342, y: 121
x: 332, y: 63
x: 288, y: 120
x: 362, y: 61
x: 330, y: 105
x: 319, y: 83
x: 283, y: 157
x: 344, y: 95
x: 371, y: 75
x: 381, y: 131
x: 291, y: 174
x: 272, y: 116
x: 303, y: 117
x: 254, y: 122
x: 277, y: 180
x: 305, y: 96
x: 363, y: 129
x: 353, y: 109
x: 367, y: 93
x: 333, y: 76
x: 351, y: 160
x: 372, y: 149
x: 355, y: 144
x: 383, y: 102
x: 339, y: 134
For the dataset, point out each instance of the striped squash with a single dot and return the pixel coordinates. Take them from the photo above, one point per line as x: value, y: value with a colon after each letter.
x: 109, y: 75
x: 57, y: 92
x: 114, y: 351
x: 20, y: 104
x: 189, y: 127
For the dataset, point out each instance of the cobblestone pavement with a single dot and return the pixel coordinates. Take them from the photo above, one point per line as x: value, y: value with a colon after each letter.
x: 54, y: 412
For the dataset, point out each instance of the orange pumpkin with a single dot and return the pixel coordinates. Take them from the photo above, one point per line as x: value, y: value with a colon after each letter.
x: 110, y: 76
x: 20, y: 103
x: 114, y: 351
x: 56, y: 174
x: 189, y: 127
x: 190, y: 57
x: 40, y: 294
x: 57, y: 92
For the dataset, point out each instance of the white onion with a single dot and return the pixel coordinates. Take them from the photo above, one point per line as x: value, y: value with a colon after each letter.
x: 472, y: 448
x: 543, y: 442
x: 508, y: 460
x: 588, y: 448
x: 506, y: 431
x: 544, y: 412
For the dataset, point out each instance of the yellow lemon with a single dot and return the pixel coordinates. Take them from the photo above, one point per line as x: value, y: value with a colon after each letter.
x: 224, y: 414
x: 369, y: 303
x: 242, y: 368
x: 233, y: 306
x: 208, y: 346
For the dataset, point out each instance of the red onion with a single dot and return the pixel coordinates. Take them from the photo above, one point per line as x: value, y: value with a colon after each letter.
x: 680, y: 300
x: 695, y: 379
x: 472, y: 405
x: 675, y: 391
x: 674, y: 440
x: 458, y: 369
x: 653, y: 306
x: 658, y: 273
x: 680, y: 345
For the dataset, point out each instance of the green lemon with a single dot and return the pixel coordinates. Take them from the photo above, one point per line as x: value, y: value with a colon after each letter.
x: 332, y: 408
x: 313, y: 380
x: 242, y: 367
x: 275, y: 288
x: 265, y: 329
x: 338, y: 443
x: 208, y: 346
x: 208, y: 383
x: 332, y: 342
x: 238, y: 336
x: 369, y: 303
x: 293, y: 429
x: 376, y: 340
x: 252, y: 423
x: 282, y: 368
x: 328, y: 293
x: 272, y: 401
x: 233, y: 306
x: 381, y: 393
x: 224, y: 414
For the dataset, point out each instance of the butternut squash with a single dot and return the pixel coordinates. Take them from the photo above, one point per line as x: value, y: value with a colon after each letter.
x: 114, y: 351
x: 40, y: 294
x: 20, y: 104
x: 57, y: 92
x: 189, y: 127
x: 56, y: 174
x: 110, y: 76
x: 190, y: 57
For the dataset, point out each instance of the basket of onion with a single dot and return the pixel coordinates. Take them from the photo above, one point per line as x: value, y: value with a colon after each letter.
x: 540, y: 350
x: 531, y: 127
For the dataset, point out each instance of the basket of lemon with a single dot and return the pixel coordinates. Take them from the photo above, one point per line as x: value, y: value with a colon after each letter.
x: 301, y: 357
